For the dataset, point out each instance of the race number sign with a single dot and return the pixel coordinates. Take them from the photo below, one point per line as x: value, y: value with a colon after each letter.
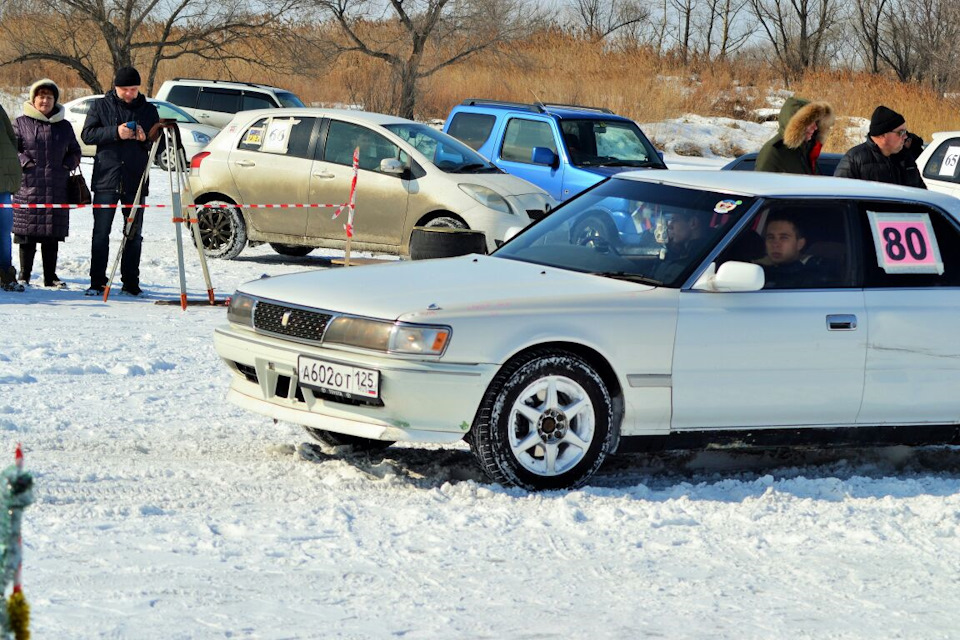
x: 905, y: 243
x: 278, y: 135
x: 948, y: 166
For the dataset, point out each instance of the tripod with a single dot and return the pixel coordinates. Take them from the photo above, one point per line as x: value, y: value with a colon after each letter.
x: 168, y: 134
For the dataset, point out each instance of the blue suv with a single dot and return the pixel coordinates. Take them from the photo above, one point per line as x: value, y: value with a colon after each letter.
x: 562, y: 149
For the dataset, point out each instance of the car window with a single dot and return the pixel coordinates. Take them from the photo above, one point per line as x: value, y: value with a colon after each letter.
x: 224, y: 101
x: 472, y: 128
x: 344, y: 137
x: 522, y: 135
x: 283, y: 136
x: 170, y: 112
x: 183, y: 95
x: 944, y: 163
x: 610, y: 143
x: 807, y: 244
x: 631, y: 230
x: 253, y: 101
x: 446, y: 152
x: 288, y: 99
x: 909, y: 246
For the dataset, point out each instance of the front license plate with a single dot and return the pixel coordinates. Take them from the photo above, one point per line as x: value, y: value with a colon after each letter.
x: 338, y: 379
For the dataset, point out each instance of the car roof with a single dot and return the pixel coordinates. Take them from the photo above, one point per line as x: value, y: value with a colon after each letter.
x: 223, y: 83
x: 349, y: 115
x: 758, y: 183
x: 562, y: 111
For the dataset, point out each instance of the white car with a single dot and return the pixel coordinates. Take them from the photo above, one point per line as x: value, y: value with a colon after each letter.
x: 409, y: 175
x: 748, y: 309
x: 939, y: 163
x: 195, y: 136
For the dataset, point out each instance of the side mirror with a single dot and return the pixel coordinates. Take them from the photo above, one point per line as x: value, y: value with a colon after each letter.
x: 392, y: 166
x: 542, y: 155
x: 732, y: 276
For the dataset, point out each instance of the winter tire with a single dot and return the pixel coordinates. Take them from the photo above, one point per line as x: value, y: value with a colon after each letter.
x: 222, y: 229
x: 544, y: 422
x: 333, y: 439
x: 293, y: 250
x: 165, y: 160
x: 597, y: 230
x: 445, y: 242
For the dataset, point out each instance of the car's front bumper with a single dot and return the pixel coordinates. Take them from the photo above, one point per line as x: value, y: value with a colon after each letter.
x: 423, y: 401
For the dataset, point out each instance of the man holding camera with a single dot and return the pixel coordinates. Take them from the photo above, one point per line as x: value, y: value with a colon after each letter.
x: 118, y: 124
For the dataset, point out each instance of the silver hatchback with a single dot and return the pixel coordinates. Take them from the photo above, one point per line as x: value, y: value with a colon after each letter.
x: 409, y: 175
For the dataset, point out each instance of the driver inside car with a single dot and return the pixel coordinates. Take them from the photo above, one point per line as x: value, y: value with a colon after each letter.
x: 784, y: 265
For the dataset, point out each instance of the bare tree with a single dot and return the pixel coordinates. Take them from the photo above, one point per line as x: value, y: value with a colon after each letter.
x: 417, y: 38
x: 724, y: 27
x: 598, y: 19
x: 800, y: 31
x: 684, y: 10
x: 868, y: 26
x: 96, y: 36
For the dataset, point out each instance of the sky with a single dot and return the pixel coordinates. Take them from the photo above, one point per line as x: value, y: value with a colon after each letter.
x: 163, y: 512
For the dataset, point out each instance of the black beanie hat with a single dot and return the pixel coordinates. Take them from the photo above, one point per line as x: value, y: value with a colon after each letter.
x: 884, y: 120
x: 126, y: 77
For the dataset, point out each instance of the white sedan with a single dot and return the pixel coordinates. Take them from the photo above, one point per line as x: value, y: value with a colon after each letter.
x: 659, y: 309
x: 195, y: 136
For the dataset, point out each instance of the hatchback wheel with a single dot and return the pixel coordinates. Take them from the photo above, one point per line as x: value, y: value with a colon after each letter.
x: 222, y: 229
x: 544, y: 422
x: 294, y: 250
x: 165, y: 160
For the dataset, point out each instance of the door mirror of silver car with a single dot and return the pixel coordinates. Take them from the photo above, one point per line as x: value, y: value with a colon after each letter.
x: 731, y: 276
x: 392, y: 166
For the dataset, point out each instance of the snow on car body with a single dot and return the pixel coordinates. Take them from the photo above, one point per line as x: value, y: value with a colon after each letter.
x: 568, y: 344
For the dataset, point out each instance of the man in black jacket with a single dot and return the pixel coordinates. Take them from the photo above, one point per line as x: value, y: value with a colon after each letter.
x: 118, y: 124
x: 879, y: 158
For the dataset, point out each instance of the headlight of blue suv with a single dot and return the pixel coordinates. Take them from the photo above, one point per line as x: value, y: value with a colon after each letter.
x: 392, y: 337
x: 487, y: 197
x: 240, y: 310
x: 200, y: 138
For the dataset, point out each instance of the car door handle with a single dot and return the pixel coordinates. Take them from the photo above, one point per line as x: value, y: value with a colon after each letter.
x: 245, y: 163
x: 323, y: 174
x: 841, y: 322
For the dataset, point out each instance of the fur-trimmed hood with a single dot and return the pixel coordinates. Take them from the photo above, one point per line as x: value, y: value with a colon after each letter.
x: 797, y: 114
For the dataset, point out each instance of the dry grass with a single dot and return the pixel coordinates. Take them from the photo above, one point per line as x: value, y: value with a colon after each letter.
x: 555, y: 67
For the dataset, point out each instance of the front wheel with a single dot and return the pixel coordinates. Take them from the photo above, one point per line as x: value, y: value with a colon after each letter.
x: 222, y: 229
x: 544, y: 422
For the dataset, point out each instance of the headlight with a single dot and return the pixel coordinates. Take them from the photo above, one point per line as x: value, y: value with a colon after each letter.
x: 388, y: 336
x: 487, y: 197
x: 240, y: 310
x: 200, y: 138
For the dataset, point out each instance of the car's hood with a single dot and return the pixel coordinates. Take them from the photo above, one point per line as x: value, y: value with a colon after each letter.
x: 201, y: 128
x: 606, y: 172
x: 430, y: 288
x: 503, y: 183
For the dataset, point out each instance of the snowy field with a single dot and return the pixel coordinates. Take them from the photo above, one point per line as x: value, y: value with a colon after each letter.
x: 162, y: 512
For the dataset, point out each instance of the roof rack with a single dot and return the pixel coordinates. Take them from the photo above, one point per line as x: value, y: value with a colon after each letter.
x: 537, y: 107
x: 249, y: 84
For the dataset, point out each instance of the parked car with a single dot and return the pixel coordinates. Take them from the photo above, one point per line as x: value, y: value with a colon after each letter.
x: 557, y: 350
x: 561, y: 148
x: 938, y: 163
x: 215, y: 102
x: 409, y: 175
x: 195, y: 136
x: 826, y: 163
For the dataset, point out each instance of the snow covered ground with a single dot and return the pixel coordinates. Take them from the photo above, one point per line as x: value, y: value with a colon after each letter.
x: 164, y: 512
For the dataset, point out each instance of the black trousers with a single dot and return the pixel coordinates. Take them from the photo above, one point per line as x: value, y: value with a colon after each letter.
x: 48, y: 252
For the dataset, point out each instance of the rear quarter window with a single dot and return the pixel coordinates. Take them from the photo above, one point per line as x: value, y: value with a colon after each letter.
x: 472, y: 128
x: 183, y: 95
x: 943, y: 162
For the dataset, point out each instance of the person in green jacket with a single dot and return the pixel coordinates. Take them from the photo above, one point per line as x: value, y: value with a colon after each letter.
x: 804, y: 126
x: 10, y: 176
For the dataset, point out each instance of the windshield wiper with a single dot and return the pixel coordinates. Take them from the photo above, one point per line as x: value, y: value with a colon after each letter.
x: 630, y: 277
x: 474, y: 167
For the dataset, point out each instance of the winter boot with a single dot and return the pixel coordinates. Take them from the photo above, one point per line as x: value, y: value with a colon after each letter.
x: 8, y: 280
x: 27, y: 253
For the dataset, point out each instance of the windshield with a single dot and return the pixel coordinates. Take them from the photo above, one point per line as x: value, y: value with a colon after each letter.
x: 609, y: 143
x: 168, y: 111
x: 288, y: 99
x: 446, y: 152
x: 631, y: 230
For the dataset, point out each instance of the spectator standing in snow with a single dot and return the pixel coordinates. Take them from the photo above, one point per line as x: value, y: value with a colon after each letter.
x: 118, y: 124
x: 10, y: 176
x: 804, y: 126
x: 48, y: 152
x: 878, y: 159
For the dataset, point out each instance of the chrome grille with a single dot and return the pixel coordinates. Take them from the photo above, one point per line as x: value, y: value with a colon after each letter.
x: 301, y: 323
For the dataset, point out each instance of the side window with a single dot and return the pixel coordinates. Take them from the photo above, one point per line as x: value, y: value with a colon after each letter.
x: 184, y: 96
x: 943, y: 162
x: 222, y: 100
x: 82, y: 107
x: 800, y: 245
x: 344, y: 137
x: 909, y: 246
x: 472, y: 128
x: 253, y: 101
x: 282, y: 136
x: 522, y: 136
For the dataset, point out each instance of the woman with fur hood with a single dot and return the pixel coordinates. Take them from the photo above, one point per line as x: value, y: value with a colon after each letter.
x: 49, y: 151
x: 804, y: 126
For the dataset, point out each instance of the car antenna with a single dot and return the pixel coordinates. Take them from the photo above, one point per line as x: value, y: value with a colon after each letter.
x: 537, y: 103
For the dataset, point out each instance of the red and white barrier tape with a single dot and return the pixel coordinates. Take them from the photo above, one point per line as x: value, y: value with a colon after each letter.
x: 170, y: 206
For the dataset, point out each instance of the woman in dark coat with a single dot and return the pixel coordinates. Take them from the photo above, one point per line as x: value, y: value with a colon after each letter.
x: 49, y: 151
